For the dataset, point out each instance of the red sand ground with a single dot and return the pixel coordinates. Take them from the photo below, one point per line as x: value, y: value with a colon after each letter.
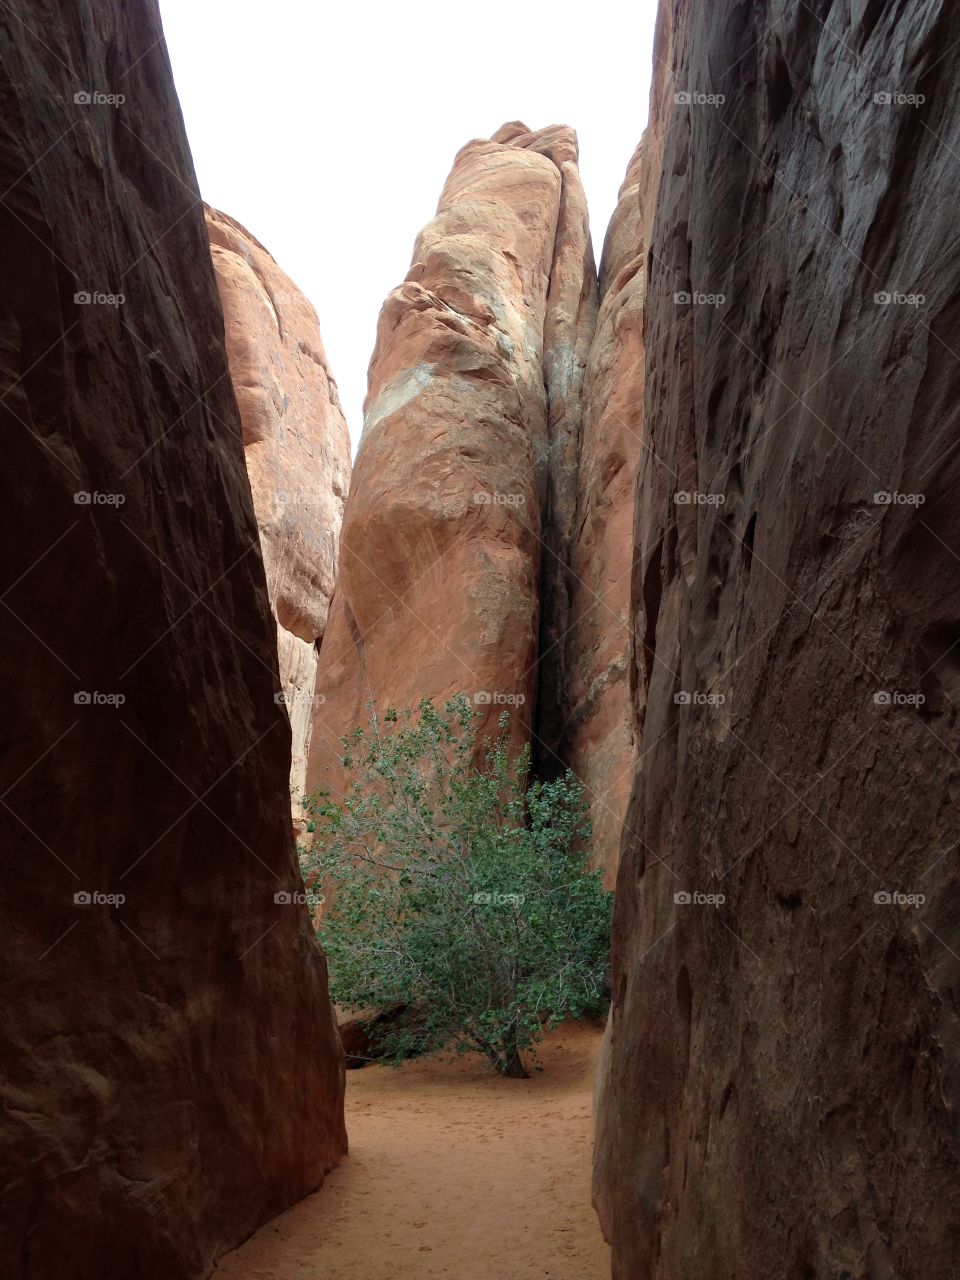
x: 453, y: 1172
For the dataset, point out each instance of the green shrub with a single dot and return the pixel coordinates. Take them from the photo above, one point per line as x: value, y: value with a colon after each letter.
x: 457, y: 889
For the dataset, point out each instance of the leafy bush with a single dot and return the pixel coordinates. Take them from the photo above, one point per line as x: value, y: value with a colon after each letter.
x: 457, y: 889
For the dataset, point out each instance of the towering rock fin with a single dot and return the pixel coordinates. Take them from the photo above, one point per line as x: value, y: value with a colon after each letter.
x: 471, y: 421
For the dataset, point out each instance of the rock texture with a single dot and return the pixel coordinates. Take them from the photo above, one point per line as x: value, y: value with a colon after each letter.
x: 598, y: 732
x: 171, y: 1072
x: 599, y: 736
x: 784, y: 1068
x: 473, y: 392
x: 297, y: 452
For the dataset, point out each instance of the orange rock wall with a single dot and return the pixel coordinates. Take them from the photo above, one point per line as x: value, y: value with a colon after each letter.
x: 297, y: 451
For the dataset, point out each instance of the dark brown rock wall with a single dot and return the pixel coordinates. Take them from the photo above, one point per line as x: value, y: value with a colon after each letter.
x: 782, y: 1081
x: 171, y: 1073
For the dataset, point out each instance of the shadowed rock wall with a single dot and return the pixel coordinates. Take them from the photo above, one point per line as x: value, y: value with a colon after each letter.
x: 171, y: 1072
x: 782, y: 1078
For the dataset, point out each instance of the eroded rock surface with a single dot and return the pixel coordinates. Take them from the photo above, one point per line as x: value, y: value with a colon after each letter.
x: 473, y: 389
x: 297, y: 452
x: 599, y: 740
x: 171, y: 1070
x: 781, y: 1090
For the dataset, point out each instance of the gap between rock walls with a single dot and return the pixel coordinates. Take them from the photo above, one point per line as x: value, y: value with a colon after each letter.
x: 653, y: 511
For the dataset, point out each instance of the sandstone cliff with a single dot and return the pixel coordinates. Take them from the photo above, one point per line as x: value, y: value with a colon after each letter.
x: 599, y: 730
x: 297, y: 451
x: 171, y: 1074
x: 468, y: 455
x: 598, y: 735
x: 782, y: 1083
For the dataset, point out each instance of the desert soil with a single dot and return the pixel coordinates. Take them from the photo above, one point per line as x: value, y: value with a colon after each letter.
x: 452, y: 1172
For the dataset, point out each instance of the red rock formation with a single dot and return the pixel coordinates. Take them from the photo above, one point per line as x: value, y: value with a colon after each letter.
x: 782, y: 1081
x: 297, y: 451
x: 599, y: 740
x: 569, y: 327
x: 171, y: 1072
x: 439, y: 581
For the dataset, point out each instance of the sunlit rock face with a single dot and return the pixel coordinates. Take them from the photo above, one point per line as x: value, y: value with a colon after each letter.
x: 467, y: 465
x: 780, y: 1090
x: 297, y: 452
x: 171, y: 1071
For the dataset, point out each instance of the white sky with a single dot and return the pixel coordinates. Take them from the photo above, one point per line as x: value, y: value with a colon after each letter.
x: 328, y: 129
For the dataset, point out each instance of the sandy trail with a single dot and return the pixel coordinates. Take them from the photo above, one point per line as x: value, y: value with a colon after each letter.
x: 452, y: 1172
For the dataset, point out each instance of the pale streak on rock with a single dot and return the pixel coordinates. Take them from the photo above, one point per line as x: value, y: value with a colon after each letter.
x: 439, y: 587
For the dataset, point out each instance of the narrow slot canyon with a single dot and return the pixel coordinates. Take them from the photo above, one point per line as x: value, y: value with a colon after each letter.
x: 518, y: 839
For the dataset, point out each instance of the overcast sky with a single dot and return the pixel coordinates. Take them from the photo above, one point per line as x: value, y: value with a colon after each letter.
x: 328, y: 129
